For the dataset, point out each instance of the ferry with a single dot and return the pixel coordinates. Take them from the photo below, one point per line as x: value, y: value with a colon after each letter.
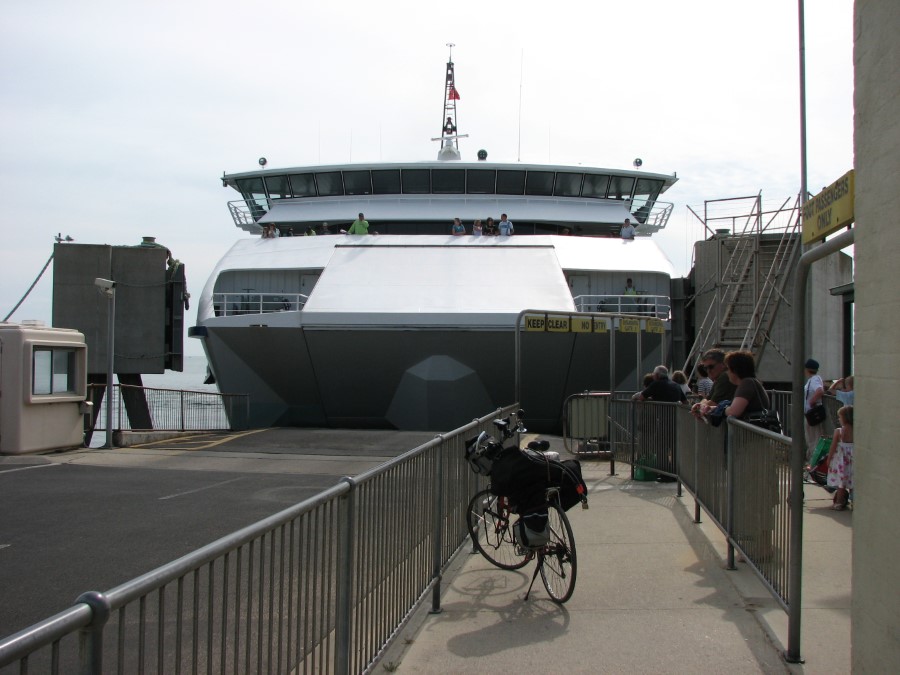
x: 412, y: 327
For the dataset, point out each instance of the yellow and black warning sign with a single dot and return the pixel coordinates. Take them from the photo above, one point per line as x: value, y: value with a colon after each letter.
x: 629, y: 325
x: 830, y: 210
x: 655, y: 326
x: 566, y: 323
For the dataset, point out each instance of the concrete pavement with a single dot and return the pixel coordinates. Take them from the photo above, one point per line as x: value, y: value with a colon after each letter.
x: 652, y: 596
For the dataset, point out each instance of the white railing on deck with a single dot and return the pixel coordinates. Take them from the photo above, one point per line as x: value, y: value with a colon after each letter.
x: 658, y: 306
x: 235, y: 304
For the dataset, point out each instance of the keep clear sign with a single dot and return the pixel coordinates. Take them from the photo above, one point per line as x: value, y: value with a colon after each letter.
x: 629, y: 325
x: 535, y: 322
x: 655, y: 326
x: 558, y: 324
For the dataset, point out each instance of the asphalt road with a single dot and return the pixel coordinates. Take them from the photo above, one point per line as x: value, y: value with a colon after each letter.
x: 93, y: 519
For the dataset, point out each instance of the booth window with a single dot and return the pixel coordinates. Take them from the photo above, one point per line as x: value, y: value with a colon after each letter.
x: 53, y: 371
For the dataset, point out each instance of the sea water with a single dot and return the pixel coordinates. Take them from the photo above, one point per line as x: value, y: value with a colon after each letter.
x: 191, y: 377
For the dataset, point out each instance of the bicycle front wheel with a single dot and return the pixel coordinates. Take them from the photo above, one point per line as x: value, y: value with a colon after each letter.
x: 557, y: 560
x: 490, y: 525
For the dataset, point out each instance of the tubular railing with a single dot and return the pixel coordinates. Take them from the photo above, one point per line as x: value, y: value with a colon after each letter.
x: 238, y: 304
x: 658, y: 306
x: 176, y: 409
x: 738, y: 473
x: 319, y: 587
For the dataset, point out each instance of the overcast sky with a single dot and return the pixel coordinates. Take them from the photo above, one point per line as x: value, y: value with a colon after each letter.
x: 120, y: 116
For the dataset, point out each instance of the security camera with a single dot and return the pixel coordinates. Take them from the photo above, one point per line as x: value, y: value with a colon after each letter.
x: 104, y: 284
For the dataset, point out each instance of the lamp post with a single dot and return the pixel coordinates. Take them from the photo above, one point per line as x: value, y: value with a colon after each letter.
x: 108, y: 288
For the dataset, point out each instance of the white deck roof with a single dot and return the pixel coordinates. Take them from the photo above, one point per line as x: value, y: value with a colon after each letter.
x: 436, y: 280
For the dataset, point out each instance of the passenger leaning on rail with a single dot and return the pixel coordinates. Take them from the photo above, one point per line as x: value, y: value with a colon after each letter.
x: 723, y: 389
x: 749, y: 395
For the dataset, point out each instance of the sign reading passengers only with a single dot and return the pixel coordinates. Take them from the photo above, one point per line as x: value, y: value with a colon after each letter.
x: 830, y: 210
x: 565, y: 323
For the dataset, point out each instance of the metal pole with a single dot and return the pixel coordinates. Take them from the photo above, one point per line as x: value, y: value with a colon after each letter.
x: 802, y: 45
x: 346, y: 537
x: 798, y: 436
x: 110, y: 364
x: 437, y: 521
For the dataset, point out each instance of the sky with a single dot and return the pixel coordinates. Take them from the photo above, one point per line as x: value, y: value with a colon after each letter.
x: 119, y: 117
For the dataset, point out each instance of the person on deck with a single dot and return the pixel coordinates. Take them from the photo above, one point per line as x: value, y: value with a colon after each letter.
x: 842, y: 390
x: 627, y: 231
x: 359, y: 226
x: 476, y: 228
x: 813, y: 391
x: 490, y: 229
x: 458, y: 229
x: 505, y: 226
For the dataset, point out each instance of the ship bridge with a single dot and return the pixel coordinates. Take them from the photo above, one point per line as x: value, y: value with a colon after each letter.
x: 423, y: 198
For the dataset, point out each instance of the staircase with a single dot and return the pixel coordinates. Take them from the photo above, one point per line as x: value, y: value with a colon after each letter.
x: 750, y: 287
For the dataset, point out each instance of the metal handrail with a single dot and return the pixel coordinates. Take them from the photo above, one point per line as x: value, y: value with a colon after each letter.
x: 246, y: 213
x: 654, y: 305
x: 236, y: 304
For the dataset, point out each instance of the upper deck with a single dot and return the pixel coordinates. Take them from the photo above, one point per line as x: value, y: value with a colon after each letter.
x: 424, y: 197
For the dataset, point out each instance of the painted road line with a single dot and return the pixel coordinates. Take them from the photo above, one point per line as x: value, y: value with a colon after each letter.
x: 200, y: 489
x: 26, y: 468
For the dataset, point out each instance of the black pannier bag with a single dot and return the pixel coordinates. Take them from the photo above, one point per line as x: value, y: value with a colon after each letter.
x: 523, y: 477
x: 567, y: 476
x: 517, y: 477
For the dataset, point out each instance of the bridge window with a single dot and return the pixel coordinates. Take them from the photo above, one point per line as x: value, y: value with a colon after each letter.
x: 448, y: 181
x: 278, y: 187
x: 539, y: 183
x: 329, y: 184
x: 416, y: 181
x: 303, y: 185
x: 481, y: 181
x: 252, y: 188
x: 358, y: 182
x: 386, y: 182
x: 510, y: 182
x: 647, y: 189
x: 568, y: 184
x: 595, y: 186
x: 620, y: 187
x: 53, y: 371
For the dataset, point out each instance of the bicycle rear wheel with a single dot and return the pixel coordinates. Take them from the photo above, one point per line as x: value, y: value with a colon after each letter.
x: 557, y: 560
x: 490, y: 525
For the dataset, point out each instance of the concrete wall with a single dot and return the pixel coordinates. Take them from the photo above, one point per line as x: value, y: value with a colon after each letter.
x: 876, y: 526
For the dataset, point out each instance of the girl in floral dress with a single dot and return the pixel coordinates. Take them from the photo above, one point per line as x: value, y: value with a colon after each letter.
x: 840, y: 459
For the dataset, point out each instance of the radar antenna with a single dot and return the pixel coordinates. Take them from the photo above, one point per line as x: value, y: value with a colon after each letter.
x: 448, y: 138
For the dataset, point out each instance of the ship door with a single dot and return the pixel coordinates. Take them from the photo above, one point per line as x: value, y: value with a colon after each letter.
x: 580, y: 285
x: 307, y: 283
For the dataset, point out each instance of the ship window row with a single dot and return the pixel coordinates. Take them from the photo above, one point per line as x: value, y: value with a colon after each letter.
x: 449, y: 181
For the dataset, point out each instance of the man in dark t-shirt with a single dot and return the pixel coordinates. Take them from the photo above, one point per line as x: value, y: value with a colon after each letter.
x: 662, y: 388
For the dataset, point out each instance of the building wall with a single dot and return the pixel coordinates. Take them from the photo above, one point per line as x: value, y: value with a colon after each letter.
x: 876, y: 527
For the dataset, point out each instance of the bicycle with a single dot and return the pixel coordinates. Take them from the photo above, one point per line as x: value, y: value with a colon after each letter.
x: 499, y: 532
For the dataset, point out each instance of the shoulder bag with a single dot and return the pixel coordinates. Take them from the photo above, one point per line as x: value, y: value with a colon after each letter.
x: 765, y: 418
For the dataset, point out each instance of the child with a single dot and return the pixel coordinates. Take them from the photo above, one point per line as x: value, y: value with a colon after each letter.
x: 840, y: 459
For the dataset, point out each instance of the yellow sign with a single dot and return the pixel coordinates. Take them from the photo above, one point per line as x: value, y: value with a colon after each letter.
x: 558, y: 324
x: 655, y: 326
x: 581, y: 324
x: 535, y: 322
x: 629, y: 325
x: 830, y: 210
x: 600, y: 326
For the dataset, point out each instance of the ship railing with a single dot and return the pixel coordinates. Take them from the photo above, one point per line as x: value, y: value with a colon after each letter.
x: 137, y: 408
x: 235, y: 304
x: 658, y: 306
x: 651, y: 216
x: 319, y: 587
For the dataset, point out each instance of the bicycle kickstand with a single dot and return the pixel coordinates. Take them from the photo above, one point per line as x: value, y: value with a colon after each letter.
x: 537, y: 568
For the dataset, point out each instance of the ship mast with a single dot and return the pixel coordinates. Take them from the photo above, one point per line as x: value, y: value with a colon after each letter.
x: 448, y: 138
